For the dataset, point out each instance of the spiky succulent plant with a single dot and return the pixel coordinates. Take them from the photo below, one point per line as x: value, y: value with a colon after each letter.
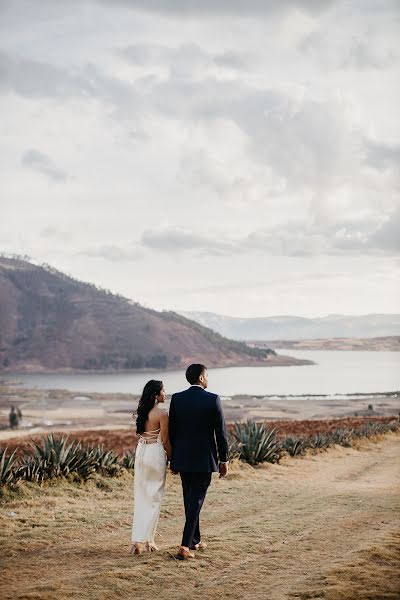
x: 7, y: 467
x: 343, y: 437
x: 255, y: 443
x: 294, y: 445
x: 128, y: 460
x: 319, y: 440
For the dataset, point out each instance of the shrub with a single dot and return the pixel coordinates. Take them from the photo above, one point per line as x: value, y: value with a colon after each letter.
x: 394, y: 425
x: 7, y: 466
x: 104, y: 461
x: 368, y: 429
x: 128, y: 460
x: 319, y: 440
x: 234, y: 448
x: 57, y: 458
x: 343, y: 437
x: 294, y: 445
x: 255, y: 443
x: 34, y: 469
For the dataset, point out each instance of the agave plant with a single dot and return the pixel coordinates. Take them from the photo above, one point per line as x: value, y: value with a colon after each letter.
x: 105, y: 461
x: 343, y: 437
x: 369, y: 429
x: 58, y: 457
x: 366, y: 430
x: 255, y: 443
x: 234, y: 447
x: 319, y: 440
x: 7, y: 467
x: 33, y: 469
x: 294, y: 445
x: 128, y: 460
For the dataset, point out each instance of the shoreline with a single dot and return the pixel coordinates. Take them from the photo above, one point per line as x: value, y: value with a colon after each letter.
x: 342, y: 344
x: 281, y: 360
x: 51, y: 409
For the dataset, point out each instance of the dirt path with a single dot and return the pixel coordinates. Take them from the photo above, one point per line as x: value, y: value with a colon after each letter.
x: 276, y: 532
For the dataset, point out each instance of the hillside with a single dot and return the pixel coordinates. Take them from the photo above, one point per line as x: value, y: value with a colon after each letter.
x: 299, y: 328
x: 49, y: 321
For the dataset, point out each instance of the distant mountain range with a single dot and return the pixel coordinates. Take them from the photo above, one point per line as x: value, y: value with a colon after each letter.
x: 299, y: 328
x: 50, y: 321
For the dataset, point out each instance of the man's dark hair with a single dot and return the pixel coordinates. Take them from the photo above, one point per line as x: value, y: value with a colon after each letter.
x: 194, y: 371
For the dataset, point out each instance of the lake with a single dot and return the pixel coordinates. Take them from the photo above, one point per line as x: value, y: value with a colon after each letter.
x: 335, y: 372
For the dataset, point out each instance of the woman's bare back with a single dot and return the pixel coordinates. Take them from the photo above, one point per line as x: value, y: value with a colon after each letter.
x: 157, y: 423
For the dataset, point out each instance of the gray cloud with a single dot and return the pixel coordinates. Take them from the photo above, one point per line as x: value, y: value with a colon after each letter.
x: 369, y: 236
x: 363, y: 56
x: 293, y: 238
x: 382, y: 155
x: 183, y: 8
x: 283, y: 126
x: 33, y: 159
x: 34, y: 79
x: 184, y: 60
x: 174, y: 239
x: 387, y: 237
x: 284, y: 131
x: 113, y: 253
x: 56, y: 234
x: 359, y: 52
x: 279, y: 122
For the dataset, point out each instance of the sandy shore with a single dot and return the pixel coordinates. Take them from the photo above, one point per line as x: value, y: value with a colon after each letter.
x: 65, y: 410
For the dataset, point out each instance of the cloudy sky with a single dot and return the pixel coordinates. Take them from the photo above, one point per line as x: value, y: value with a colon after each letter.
x: 236, y: 156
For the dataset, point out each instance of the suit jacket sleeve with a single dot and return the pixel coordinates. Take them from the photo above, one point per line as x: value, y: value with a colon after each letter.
x: 220, y: 433
x: 171, y: 422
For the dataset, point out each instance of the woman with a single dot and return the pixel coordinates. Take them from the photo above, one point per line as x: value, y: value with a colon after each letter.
x: 152, y: 452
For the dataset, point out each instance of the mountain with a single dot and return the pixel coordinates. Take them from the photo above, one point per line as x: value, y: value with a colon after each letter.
x: 50, y: 321
x: 299, y: 328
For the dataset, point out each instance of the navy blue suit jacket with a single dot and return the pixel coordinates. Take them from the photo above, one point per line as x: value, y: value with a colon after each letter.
x: 197, y: 431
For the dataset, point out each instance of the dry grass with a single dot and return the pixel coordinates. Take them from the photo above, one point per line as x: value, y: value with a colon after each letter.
x: 373, y: 574
x: 322, y: 526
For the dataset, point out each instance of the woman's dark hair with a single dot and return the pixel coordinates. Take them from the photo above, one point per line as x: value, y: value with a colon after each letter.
x: 146, y: 403
x: 193, y: 372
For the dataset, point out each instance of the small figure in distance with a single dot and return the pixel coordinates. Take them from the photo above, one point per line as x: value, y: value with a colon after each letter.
x: 13, y: 418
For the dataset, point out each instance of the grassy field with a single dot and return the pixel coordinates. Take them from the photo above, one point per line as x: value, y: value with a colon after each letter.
x: 323, y: 526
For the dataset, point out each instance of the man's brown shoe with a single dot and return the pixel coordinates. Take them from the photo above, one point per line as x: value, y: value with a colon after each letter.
x: 199, y: 546
x: 184, y: 554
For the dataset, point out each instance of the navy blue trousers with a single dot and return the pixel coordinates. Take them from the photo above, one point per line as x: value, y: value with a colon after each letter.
x: 194, y: 486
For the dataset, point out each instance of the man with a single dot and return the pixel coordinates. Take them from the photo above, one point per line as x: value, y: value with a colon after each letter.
x: 199, y: 447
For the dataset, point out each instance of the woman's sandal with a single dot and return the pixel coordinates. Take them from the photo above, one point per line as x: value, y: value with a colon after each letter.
x: 136, y: 549
x: 199, y: 546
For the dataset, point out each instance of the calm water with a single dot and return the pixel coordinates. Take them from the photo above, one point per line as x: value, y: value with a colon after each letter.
x: 336, y: 372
